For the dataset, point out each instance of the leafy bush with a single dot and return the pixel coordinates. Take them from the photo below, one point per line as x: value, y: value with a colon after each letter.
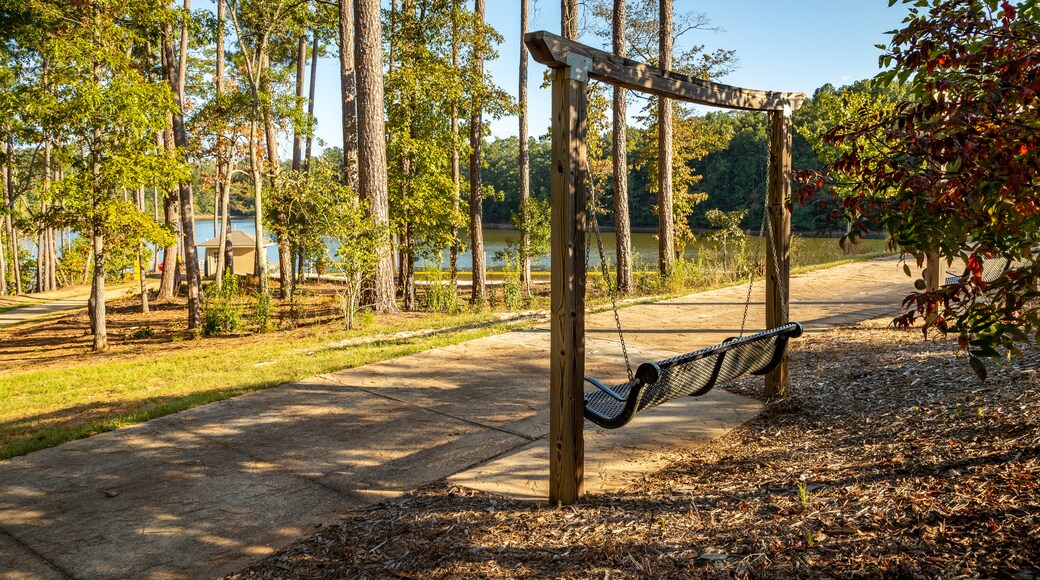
x: 513, y: 294
x: 220, y: 317
x: 440, y: 296
x: 262, y: 312
x: 220, y: 313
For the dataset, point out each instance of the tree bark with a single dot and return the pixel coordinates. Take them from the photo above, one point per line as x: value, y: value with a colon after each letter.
x: 622, y: 225
x: 187, y: 203
x: 223, y: 177
x: 168, y: 280
x: 408, y: 270
x: 476, y: 196
x: 273, y: 170
x: 3, y: 260
x: 44, y: 268
x: 456, y: 178
x: 96, y: 308
x: 301, y: 69
x: 348, y: 94
x: 525, y: 158
x: 372, y: 178
x: 12, y: 232
x: 666, y: 227
x: 569, y: 19
x: 310, y: 103
x: 140, y: 257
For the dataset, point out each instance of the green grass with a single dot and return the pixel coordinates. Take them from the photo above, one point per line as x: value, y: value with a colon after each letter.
x: 44, y: 408
x: 13, y: 307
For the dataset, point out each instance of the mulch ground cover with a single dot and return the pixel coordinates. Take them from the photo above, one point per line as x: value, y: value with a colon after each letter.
x: 888, y: 458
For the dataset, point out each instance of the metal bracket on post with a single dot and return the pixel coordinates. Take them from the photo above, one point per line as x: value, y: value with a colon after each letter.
x: 579, y: 67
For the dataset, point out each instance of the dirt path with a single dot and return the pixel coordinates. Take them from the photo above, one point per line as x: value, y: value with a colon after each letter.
x: 205, y: 491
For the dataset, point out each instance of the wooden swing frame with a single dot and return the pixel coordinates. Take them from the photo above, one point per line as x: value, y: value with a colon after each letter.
x: 574, y: 64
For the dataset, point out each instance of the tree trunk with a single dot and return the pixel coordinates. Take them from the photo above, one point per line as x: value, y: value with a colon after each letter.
x: 187, y: 204
x: 348, y: 93
x: 310, y: 103
x: 476, y: 199
x: 44, y: 281
x: 12, y: 232
x: 622, y: 227
x: 525, y: 158
x: 96, y: 303
x: 273, y: 170
x: 408, y: 270
x: 167, y: 282
x: 456, y: 178
x: 301, y: 68
x: 569, y: 19
x: 372, y: 179
x: 666, y: 227
x: 256, y: 172
x: 96, y: 307
x: 140, y: 257
x: 3, y: 262
x: 223, y: 168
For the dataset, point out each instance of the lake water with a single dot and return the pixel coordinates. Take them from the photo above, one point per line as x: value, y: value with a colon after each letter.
x: 644, y: 247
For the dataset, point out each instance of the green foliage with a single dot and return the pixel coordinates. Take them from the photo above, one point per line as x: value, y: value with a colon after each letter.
x: 355, y: 258
x: 440, y: 296
x: 262, y: 311
x: 535, y: 217
x: 220, y: 317
x: 728, y: 239
x: 422, y: 88
x: 952, y: 170
x: 309, y: 207
x: 513, y: 295
x: 221, y: 313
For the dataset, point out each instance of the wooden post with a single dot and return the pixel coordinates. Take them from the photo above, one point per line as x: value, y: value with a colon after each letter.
x: 933, y: 272
x: 567, y: 342
x: 780, y: 227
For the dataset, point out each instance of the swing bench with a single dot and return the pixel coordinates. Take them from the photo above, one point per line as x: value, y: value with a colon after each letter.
x: 692, y: 374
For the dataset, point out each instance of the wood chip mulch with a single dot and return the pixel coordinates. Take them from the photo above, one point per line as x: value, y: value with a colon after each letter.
x: 887, y: 459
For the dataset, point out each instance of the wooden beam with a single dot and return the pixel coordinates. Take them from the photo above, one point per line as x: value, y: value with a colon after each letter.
x: 778, y: 265
x: 553, y: 51
x: 567, y: 339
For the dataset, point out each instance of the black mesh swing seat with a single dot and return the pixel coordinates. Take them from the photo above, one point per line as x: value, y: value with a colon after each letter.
x: 692, y: 374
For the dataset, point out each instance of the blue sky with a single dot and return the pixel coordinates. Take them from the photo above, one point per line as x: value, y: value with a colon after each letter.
x: 797, y: 45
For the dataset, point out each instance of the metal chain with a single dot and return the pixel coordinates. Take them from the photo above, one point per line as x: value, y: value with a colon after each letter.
x: 754, y: 269
x: 611, y: 288
x: 764, y: 231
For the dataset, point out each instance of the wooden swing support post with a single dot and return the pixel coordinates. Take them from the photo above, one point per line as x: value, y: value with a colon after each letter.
x: 573, y: 65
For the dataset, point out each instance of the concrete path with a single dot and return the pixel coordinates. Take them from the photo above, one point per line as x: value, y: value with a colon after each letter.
x: 37, y: 308
x: 205, y: 491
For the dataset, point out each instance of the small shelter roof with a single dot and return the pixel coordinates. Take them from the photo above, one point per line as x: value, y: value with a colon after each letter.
x: 239, y: 239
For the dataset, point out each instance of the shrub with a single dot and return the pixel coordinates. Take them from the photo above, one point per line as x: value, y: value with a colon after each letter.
x: 440, y: 296
x: 220, y: 313
x: 220, y: 316
x: 262, y: 313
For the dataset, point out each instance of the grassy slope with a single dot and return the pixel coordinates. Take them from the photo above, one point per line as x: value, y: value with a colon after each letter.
x: 44, y: 408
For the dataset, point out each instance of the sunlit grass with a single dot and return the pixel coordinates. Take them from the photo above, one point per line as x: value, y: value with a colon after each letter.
x: 43, y: 408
